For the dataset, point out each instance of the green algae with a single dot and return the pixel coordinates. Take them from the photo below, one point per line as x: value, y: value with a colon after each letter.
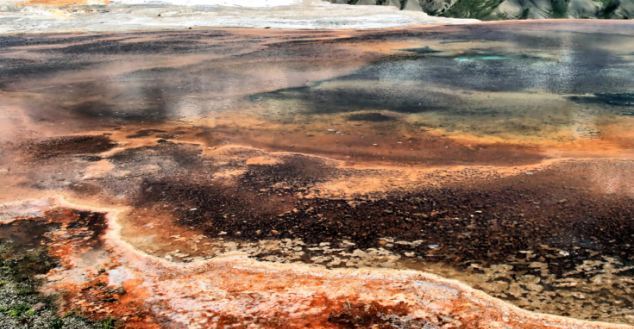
x: 22, y: 263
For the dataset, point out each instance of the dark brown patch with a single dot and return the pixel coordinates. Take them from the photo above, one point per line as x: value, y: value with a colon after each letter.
x: 90, y: 226
x: 487, y: 221
x: 145, y: 133
x: 185, y: 156
x: 69, y: 145
x: 212, y: 207
x: 374, y: 315
x: 296, y: 172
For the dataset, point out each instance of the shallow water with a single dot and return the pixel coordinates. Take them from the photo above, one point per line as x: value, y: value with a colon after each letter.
x: 491, y: 81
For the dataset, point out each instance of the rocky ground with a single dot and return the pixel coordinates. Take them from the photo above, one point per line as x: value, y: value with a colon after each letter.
x: 512, y: 9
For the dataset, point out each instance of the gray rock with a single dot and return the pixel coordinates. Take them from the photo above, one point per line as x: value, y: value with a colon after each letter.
x: 625, y: 10
x: 583, y: 8
x: 413, y: 5
x: 513, y: 9
x: 436, y: 7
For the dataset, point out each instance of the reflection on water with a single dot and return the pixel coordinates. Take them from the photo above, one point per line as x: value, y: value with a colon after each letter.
x: 490, y: 82
x: 485, y: 80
